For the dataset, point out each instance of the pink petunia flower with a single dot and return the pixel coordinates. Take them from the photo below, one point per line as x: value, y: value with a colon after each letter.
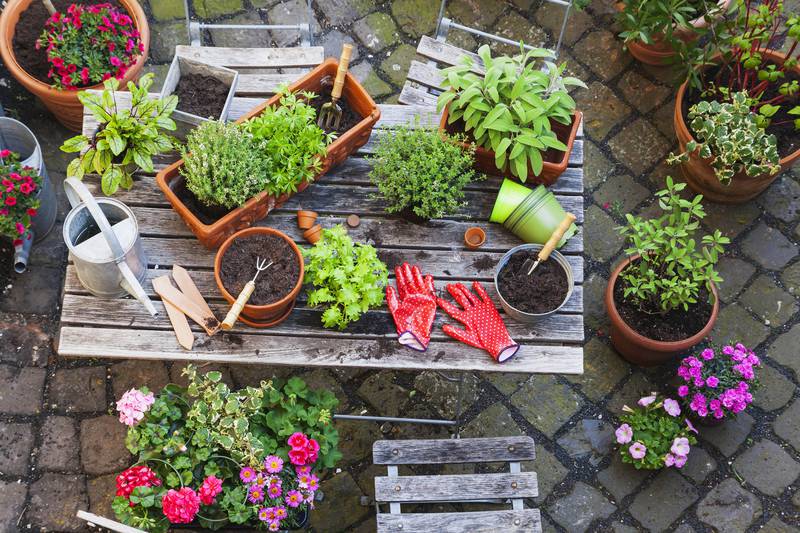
x: 680, y: 446
x: 680, y: 460
x: 637, y: 450
x: 672, y: 407
x: 647, y: 400
x: 707, y: 354
x: 624, y: 434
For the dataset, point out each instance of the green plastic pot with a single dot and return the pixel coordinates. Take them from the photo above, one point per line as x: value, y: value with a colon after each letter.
x: 509, y: 197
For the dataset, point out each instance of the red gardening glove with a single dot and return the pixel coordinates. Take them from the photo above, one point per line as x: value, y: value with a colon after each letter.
x: 483, y: 327
x: 413, y: 306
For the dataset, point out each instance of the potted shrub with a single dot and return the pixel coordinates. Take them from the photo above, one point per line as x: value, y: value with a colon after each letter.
x: 348, y: 279
x: 517, y: 112
x: 654, y: 435
x: 204, y: 91
x: 86, y: 52
x: 127, y: 137
x: 719, y: 383
x: 663, y: 300
x: 421, y: 173
x: 742, y: 56
x: 277, y: 287
x: 212, y: 457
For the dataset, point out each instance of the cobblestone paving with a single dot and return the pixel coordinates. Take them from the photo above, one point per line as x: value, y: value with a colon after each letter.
x: 60, y: 448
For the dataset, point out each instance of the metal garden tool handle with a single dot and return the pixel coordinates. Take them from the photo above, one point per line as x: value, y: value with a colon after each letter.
x: 341, y: 72
x: 551, y: 243
x: 238, y: 305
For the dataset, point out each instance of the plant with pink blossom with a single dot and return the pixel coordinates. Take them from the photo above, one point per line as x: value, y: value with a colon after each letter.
x: 655, y: 434
x: 719, y: 382
x: 133, y: 405
x: 19, y: 196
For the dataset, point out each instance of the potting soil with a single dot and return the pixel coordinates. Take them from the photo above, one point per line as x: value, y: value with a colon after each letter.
x: 202, y: 95
x: 540, y: 292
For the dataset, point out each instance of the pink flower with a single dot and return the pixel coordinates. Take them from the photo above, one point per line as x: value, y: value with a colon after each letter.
x: 273, y: 464
x: 298, y: 441
x: 669, y: 459
x: 298, y: 457
x: 647, y: 400
x: 637, y: 450
x: 5, y: 153
x: 293, y: 498
x: 136, y: 476
x: 133, y: 405
x: 313, y: 483
x: 275, y: 525
x: 683, y: 391
x: 20, y: 228
x: 85, y: 75
x: 247, y: 474
x: 690, y: 426
x: 212, y: 486
x: 302, y: 470
x: 255, y: 494
x: 11, y: 201
x: 707, y: 354
x: 115, y: 61
x: 31, y: 212
x: 680, y: 446
x: 265, y: 512
x: 672, y: 407
x: 624, y: 434
x: 680, y: 461
x: 280, y: 512
x: 274, y: 491
x: 712, y: 381
x: 180, y: 506
x: 26, y: 188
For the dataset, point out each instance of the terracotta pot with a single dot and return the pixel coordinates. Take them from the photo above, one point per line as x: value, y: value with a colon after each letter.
x: 484, y: 159
x: 261, y: 316
x: 305, y: 219
x: 313, y: 234
x: 639, y: 349
x: 63, y: 104
x: 474, y: 238
x: 698, y: 172
x: 211, y: 235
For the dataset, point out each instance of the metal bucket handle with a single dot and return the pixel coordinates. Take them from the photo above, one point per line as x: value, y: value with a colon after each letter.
x: 78, y: 194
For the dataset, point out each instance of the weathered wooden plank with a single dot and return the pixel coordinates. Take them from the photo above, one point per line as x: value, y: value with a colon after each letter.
x: 507, y: 521
x: 447, y: 53
x: 265, y: 84
x: 425, y: 74
x: 236, y: 58
x: 455, y: 488
x: 317, y: 352
x: 413, y: 94
x: 393, y: 114
x: 111, y: 525
x: 451, y: 451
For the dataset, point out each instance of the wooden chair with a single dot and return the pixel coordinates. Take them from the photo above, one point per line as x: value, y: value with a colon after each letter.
x: 498, y: 488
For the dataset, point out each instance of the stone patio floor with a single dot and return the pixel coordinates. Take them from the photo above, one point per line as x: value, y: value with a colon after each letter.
x: 60, y: 445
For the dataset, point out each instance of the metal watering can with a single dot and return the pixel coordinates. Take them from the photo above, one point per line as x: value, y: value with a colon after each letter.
x: 109, y: 259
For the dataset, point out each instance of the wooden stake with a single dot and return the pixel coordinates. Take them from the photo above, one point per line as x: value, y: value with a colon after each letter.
x: 49, y: 6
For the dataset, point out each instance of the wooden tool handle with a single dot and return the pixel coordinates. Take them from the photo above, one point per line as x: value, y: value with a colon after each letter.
x: 48, y: 5
x: 344, y: 62
x: 238, y: 305
x: 551, y: 243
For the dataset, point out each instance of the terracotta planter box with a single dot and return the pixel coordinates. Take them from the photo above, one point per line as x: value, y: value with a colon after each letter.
x: 63, y: 104
x: 212, y: 235
x: 698, y: 172
x: 484, y: 159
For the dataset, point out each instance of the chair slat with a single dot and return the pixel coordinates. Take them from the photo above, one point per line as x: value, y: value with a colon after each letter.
x: 263, y: 84
x: 413, y: 95
x: 455, y: 488
x: 527, y: 521
x: 451, y: 451
x: 447, y: 53
x: 425, y: 73
x: 254, y: 57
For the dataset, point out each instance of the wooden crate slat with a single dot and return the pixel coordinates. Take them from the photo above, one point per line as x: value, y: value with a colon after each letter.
x: 455, y: 488
x: 452, y: 451
x: 317, y: 352
x: 507, y: 521
x: 236, y: 58
x: 447, y: 53
x: 425, y: 74
x: 263, y: 84
x: 393, y: 114
x: 412, y: 94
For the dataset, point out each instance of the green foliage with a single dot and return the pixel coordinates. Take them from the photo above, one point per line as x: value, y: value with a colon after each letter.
x: 657, y: 430
x: 422, y: 170
x: 348, y: 278
x: 509, y: 109
x: 126, y: 138
x: 729, y: 135
x: 644, y: 20
x: 672, y: 269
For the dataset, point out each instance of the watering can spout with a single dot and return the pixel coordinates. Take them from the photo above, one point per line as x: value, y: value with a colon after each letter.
x: 140, y: 296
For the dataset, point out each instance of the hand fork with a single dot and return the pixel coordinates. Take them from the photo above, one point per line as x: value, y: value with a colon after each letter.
x: 330, y: 115
x: 241, y: 300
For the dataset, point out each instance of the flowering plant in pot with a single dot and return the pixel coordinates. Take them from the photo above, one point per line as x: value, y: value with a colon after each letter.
x: 719, y: 383
x: 662, y: 300
x: 654, y: 435
x: 516, y: 110
x: 19, y: 199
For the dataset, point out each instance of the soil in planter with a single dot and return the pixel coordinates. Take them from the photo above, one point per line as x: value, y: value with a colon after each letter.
x: 30, y: 28
x: 204, y: 213
x: 239, y: 266
x: 670, y: 327
x: 6, y: 264
x: 201, y: 95
x: 350, y: 117
x: 541, y: 292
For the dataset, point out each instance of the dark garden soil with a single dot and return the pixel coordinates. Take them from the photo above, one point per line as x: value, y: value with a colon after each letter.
x: 349, y: 115
x: 205, y: 214
x: 670, y: 327
x: 29, y: 29
x: 542, y: 291
x: 239, y: 266
x: 6, y: 263
x: 201, y: 95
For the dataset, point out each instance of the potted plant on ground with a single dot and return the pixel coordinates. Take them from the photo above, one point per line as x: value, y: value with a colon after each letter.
x: 516, y: 110
x: 719, y: 383
x: 53, y: 55
x: 663, y: 300
x: 421, y: 173
x: 654, y: 435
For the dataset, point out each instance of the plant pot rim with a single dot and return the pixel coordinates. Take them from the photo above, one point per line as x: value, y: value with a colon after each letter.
x: 475, y: 230
x: 253, y: 231
x: 664, y: 346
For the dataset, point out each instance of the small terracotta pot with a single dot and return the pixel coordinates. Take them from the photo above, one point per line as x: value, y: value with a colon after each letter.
x: 261, y: 316
x: 474, y: 238
x: 305, y: 219
x: 698, y: 172
x: 639, y: 349
x: 313, y: 234
x: 484, y: 159
x: 63, y: 104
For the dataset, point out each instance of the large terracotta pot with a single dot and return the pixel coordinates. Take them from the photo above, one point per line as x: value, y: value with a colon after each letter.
x: 698, y: 172
x: 484, y: 158
x: 212, y: 235
x: 261, y: 316
x: 63, y: 104
x: 639, y: 349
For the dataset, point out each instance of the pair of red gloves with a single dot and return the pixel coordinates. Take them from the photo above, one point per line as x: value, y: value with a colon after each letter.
x: 413, y: 307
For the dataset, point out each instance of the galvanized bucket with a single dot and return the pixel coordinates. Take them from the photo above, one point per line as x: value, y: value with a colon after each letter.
x: 114, y: 262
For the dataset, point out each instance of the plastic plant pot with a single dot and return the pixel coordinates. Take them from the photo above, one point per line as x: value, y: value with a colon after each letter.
x: 535, y: 221
x: 474, y: 238
x: 510, y: 195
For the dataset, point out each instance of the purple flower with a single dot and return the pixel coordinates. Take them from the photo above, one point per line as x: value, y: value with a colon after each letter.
x: 669, y: 459
x: 684, y: 373
x: 698, y: 402
x: 680, y: 461
x: 690, y: 425
x: 672, y: 407
x: 624, y: 434
x: 273, y: 464
x: 683, y: 391
x: 247, y: 474
x: 680, y: 446
x: 637, y: 450
x: 712, y: 381
x: 699, y: 382
x: 274, y: 491
x: 707, y: 354
x: 647, y: 400
x: 255, y: 494
x: 696, y: 372
x: 728, y: 350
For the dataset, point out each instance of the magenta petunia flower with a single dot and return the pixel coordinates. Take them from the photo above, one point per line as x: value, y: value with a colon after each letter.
x: 707, y: 354
x: 637, y: 450
x: 624, y: 434
x: 683, y: 391
x: 690, y: 425
x: 680, y: 460
x: 712, y: 381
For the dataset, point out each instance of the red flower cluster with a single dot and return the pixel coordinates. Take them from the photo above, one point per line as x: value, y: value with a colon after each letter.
x: 18, y: 201
x: 304, y: 450
x: 89, y: 44
x: 180, y: 506
x: 137, y: 476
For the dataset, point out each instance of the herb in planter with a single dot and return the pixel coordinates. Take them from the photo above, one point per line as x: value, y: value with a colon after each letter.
x: 348, y: 278
x: 422, y: 171
x: 126, y: 138
x: 18, y: 196
x: 512, y: 107
x: 654, y: 435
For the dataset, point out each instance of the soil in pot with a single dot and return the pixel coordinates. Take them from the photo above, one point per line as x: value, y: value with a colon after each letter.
x: 673, y: 326
x: 349, y: 116
x: 239, y: 266
x: 29, y: 29
x: 201, y: 95
x: 204, y: 213
x: 541, y: 292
